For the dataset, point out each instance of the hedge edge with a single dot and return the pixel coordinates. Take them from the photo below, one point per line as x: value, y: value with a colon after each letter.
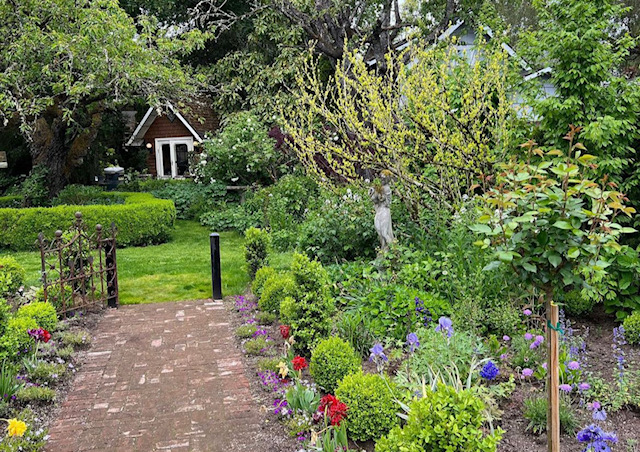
x: 141, y: 220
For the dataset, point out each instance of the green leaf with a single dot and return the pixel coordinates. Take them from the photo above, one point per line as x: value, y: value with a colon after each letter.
x: 505, y: 256
x: 555, y: 259
x: 573, y: 252
x: 562, y: 224
x: 528, y: 266
x: 481, y: 229
x: 491, y: 266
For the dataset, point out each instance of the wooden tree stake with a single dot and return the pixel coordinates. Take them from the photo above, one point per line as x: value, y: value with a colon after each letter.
x: 553, y: 377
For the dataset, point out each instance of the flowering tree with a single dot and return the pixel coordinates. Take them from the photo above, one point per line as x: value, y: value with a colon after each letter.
x: 551, y: 224
x: 433, y: 119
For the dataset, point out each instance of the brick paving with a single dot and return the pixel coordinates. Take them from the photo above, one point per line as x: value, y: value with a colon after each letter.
x: 160, y: 377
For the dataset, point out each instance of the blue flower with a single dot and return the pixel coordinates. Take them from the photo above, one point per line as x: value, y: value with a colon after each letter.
x: 413, y: 342
x: 377, y: 352
x: 445, y: 325
x: 489, y: 371
x: 596, y: 439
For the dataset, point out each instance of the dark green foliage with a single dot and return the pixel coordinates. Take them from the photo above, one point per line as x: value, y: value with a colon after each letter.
x: 256, y: 249
x: 142, y: 220
x: 11, y: 276
x: 535, y: 411
x: 229, y: 217
x: 632, y: 328
x: 191, y: 199
x: 43, y: 313
x: 11, y: 201
x: 261, y: 277
x: 355, y: 328
x: 85, y: 195
x: 36, y: 395
x: 620, y: 288
x: 310, y: 315
x: 331, y: 360
x: 276, y: 289
x: 9, y: 383
x: 443, y: 420
x: 34, y: 189
x: 576, y: 304
x: 371, y: 404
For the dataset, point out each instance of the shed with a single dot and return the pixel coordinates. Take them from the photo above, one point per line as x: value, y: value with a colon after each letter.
x: 171, y: 136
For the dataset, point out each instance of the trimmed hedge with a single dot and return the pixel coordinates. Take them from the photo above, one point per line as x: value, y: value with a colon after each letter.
x: 141, y: 220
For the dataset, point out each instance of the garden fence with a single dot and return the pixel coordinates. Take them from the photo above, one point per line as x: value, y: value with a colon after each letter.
x: 79, y: 268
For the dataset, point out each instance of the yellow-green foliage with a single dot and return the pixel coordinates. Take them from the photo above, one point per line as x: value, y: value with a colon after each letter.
x: 632, y: 328
x: 331, y: 361
x: 262, y: 275
x: 16, y: 341
x: 43, y: 313
x: 142, y: 219
x: 276, y: 289
x: 11, y: 275
x: 431, y: 109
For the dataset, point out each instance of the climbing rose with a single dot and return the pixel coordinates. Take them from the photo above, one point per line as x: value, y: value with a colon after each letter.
x: 285, y: 331
x: 299, y: 363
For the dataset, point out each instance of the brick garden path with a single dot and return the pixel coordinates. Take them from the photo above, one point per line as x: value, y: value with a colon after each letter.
x: 160, y: 377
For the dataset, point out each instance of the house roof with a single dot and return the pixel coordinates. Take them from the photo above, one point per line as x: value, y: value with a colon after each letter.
x: 198, y: 119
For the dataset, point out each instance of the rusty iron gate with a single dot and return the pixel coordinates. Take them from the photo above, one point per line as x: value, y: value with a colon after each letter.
x: 79, y: 268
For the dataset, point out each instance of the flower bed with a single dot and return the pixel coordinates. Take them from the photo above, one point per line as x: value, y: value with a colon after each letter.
x: 141, y: 220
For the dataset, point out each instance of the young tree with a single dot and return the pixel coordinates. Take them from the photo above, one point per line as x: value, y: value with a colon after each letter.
x: 63, y: 63
x: 550, y: 223
x: 433, y: 120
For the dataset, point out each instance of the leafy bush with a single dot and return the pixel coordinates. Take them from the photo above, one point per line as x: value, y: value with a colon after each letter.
x: 43, y: 313
x: 12, y: 201
x: 354, y: 327
x: 36, y: 394
x: 535, y: 411
x: 339, y: 226
x: 372, y: 407
x: 266, y: 318
x: 245, y: 331
x: 256, y: 346
x: 332, y: 360
x: 65, y: 353
x: 288, y: 310
x: 5, y: 313
x: 47, y: 373
x: 632, y: 328
x: 575, y: 303
x: 241, y: 153
x: 276, y: 289
x: 85, y: 195
x: 12, y: 276
x: 141, y: 220
x: 262, y: 275
x: 256, y: 249
x: 443, y: 420
x: 16, y: 341
x: 34, y: 189
x: 310, y: 316
x: 436, y: 351
x: 76, y: 339
x: 53, y: 296
x: 229, y: 217
x: 191, y: 199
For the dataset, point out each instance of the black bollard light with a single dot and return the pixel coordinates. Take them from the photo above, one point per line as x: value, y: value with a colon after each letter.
x: 216, y: 278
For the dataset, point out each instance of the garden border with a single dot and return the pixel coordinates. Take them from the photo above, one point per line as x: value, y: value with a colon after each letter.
x: 141, y: 220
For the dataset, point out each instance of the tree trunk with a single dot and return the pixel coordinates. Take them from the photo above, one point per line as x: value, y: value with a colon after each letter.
x: 553, y: 373
x: 49, y: 149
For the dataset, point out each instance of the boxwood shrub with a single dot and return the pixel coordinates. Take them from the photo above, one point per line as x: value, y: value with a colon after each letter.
x: 141, y: 220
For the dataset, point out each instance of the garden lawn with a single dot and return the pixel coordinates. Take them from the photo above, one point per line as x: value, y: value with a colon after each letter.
x: 174, y: 271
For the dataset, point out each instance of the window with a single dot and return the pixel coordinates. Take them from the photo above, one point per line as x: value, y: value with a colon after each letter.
x: 172, y: 156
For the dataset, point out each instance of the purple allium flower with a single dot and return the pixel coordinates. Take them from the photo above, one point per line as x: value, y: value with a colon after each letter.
x: 565, y: 387
x: 573, y: 365
x: 526, y: 372
x: 413, y: 342
x: 527, y: 312
x: 506, y: 338
x: 528, y: 336
x: 445, y: 325
x: 489, y: 371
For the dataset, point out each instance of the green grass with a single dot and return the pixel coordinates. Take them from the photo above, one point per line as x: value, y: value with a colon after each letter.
x: 174, y: 271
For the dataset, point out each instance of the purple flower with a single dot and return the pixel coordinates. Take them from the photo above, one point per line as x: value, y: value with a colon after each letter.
x: 534, y: 345
x: 527, y: 312
x: 544, y: 366
x: 566, y: 388
x: 540, y: 339
x: 526, y: 372
x: 412, y: 342
x: 377, y: 356
x: 573, y: 365
x: 504, y: 357
x: 506, y: 338
x: 489, y: 371
x: 599, y: 415
x: 445, y: 325
x: 584, y: 386
x: 528, y: 336
x: 594, y: 406
x: 596, y: 438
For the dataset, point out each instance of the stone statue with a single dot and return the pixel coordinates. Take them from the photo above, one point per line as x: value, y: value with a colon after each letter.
x: 380, y: 194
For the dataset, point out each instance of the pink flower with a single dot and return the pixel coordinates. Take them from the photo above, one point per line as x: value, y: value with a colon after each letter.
x: 506, y: 338
x: 527, y: 312
x: 526, y: 372
x: 544, y: 366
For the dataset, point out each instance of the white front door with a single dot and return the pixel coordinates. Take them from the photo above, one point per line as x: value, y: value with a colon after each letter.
x: 172, y: 156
